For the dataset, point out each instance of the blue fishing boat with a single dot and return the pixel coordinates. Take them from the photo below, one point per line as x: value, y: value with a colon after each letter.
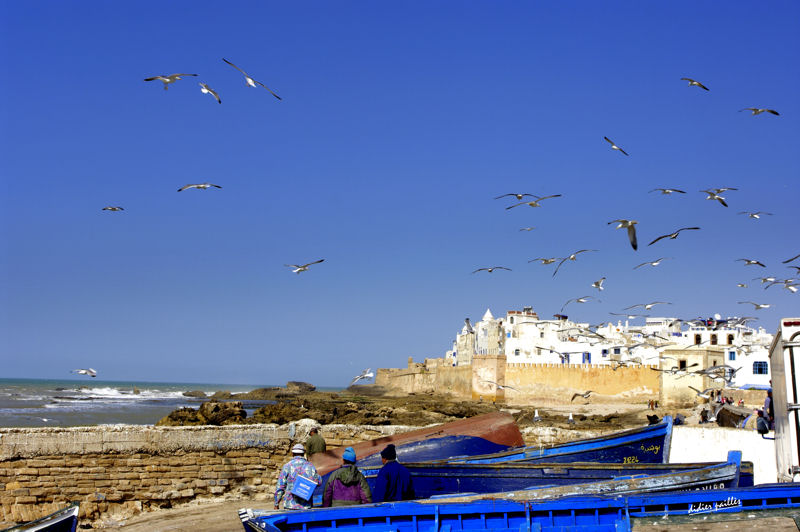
x: 596, y: 513
x: 431, y: 480
x: 399, y: 516
x: 64, y: 520
x: 648, y: 444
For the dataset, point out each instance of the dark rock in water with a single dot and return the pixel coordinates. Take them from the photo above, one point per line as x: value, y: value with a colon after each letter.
x: 209, y: 413
x: 300, y: 387
x: 222, y: 413
x: 195, y: 393
x: 221, y: 396
x: 259, y: 394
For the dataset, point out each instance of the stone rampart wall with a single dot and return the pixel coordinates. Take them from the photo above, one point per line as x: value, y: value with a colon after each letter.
x: 119, y: 471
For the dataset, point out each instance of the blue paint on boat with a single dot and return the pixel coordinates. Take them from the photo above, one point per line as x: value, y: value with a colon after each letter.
x: 597, y: 513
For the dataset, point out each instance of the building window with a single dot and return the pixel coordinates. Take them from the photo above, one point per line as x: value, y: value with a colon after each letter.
x: 713, y: 339
x: 604, y: 352
x: 731, y: 355
x: 760, y: 368
x: 587, y: 358
x: 511, y: 319
x: 697, y: 339
x: 616, y: 350
x: 681, y: 364
x: 541, y: 334
x: 516, y: 352
x: 538, y: 350
x: 730, y: 339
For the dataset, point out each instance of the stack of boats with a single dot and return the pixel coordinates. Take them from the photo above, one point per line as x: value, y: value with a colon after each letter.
x: 593, y: 484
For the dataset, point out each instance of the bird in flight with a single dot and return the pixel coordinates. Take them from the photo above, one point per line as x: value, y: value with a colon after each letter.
x: 674, y: 235
x: 199, y: 186
x: 651, y: 263
x: 741, y: 285
x: 172, y: 78
x: 695, y: 83
x: 583, y: 299
x: 787, y: 261
x: 533, y: 203
x: 250, y: 81
x: 364, y: 375
x: 713, y: 195
x: 548, y: 260
x: 763, y: 280
x: 704, y: 394
x: 647, y: 306
x: 298, y: 268
x: 501, y: 386
x: 668, y: 191
x: 614, y: 146
x: 758, y: 111
x: 519, y: 196
x: 599, y: 284
x: 758, y: 306
x: 527, y: 229
x: 756, y: 215
x: 631, y: 230
x: 113, y: 209
x: 491, y: 269
x: 572, y: 256
x: 630, y: 316
x: 89, y: 372
x: 751, y: 262
x: 585, y: 395
x: 205, y: 89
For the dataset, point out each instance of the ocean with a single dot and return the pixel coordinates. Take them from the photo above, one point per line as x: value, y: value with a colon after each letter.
x: 73, y: 402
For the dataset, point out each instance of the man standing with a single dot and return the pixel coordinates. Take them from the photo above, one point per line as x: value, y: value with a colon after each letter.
x: 394, y: 480
x: 315, y: 443
x: 769, y: 409
x: 347, y: 485
x: 289, y: 480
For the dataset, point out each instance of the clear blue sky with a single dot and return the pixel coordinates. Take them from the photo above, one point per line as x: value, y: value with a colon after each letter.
x: 400, y: 122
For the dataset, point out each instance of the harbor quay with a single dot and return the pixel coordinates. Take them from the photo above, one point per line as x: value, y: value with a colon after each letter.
x: 118, y: 472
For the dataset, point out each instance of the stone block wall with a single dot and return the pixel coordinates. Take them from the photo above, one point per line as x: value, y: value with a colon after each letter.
x: 119, y: 471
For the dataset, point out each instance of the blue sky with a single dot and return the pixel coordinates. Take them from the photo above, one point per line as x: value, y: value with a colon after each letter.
x: 399, y: 124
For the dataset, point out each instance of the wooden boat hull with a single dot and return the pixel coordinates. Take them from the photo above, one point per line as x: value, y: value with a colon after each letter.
x: 408, y: 515
x: 583, y: 513
x: 431, y: 480
x: 64, y: 520
x: 487, y: 433
x: 648, y: 444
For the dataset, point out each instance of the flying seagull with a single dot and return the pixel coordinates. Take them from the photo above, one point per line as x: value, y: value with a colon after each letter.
x: 751, y: 262
x: 585, y: 395
x: 647, y: 306
x: 533, y: 203
x: 631, y: 230
x: 491, y: 269
x: 298, y: 268
x: 741, y: 285
x: 364, y: 375
x: 205, y: 89
x: 758, y: 111
x: 763, y: 280
x: 583, y: 299
x: 549, y: 260
x: 651, y: 263
x: 695, y: 83
x: 599, y: 284
x: 501, y: 386
x: 630, y: 316
x: 758, y: 306
x: 704, y: 394
x: 756, y: 215
x: 614, y: 146
x: 519, y: 196
x: 668, y: 191
x: 787, y: 261
x: 674, y: 235
x: 199, y: 186
x: 713, y: 195
x: 250, y: 81
x: 89, y: 371
x: 172, y: 78
x: 572, y: 256
x: 527, y: 229
x: 113, y: 209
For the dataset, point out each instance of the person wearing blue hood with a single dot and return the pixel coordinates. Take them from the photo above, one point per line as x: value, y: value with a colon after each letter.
x: 394, y: 480
x: 347, y: 485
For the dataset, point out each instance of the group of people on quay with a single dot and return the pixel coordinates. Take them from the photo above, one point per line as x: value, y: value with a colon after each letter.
x: 346, y: 485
